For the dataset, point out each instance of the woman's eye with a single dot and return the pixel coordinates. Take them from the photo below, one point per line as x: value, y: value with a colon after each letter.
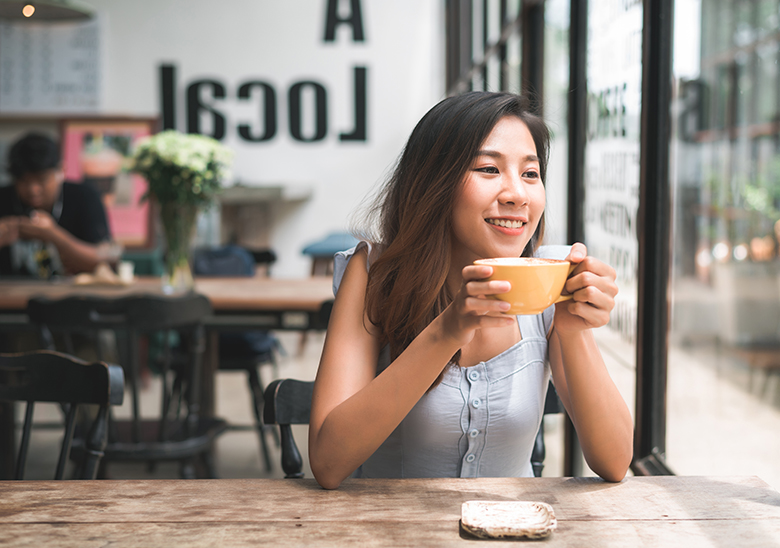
x: 531, y: 174
x: 487, y: 169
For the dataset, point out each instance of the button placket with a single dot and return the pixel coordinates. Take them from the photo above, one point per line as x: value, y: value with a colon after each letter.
x: 477, y: 424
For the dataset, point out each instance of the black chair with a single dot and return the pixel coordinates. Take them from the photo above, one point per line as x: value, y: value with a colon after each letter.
x: 174, y: 436
x: 243, y: 350
x: 552, y: 405
x: 58, y: 378
x: 288, y: 401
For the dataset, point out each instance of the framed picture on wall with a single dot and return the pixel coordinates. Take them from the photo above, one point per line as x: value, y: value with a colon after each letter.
x: 96, y: 152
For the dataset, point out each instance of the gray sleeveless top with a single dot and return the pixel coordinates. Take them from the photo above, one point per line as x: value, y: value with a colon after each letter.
x: 480, y: 421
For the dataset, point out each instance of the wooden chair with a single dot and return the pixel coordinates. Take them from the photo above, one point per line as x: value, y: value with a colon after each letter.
x: 288, y: 401
x: 53, y: 377
x: 174, y: 436
x: 552, y: 405
x: 243, y: 350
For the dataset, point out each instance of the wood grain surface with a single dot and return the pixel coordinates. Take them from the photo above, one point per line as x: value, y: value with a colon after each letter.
x: 648, y: 511
x: 225, y: 294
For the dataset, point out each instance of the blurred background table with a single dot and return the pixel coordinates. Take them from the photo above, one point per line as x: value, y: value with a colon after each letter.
x: 252, y: 302
x: 662, y: 511
x: 238, y: 303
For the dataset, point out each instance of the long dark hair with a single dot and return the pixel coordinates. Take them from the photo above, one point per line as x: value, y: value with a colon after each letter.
x: 406, y: 283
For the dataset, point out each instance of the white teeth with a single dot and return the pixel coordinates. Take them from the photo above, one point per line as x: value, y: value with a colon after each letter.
x: 505, y: 223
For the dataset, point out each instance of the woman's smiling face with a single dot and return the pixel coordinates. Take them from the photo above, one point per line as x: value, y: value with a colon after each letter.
x: 500, y: 203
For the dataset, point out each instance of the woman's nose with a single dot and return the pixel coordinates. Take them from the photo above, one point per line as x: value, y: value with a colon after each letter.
x: 513, y: 191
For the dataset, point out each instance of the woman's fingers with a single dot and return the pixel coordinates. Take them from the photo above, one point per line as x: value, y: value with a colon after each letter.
x: 476, y: 284
x: 481, y: 306
x: 493, y: 287
x: 593, y: 289
x: 587, y: 287
x: 577, y: 253
x: 476, y: 272
x: 473, y: 305
x: 592, y: 272
x: 592, y: 305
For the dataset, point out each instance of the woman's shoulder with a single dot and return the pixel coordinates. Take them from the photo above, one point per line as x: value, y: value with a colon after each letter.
x: 367, y: 252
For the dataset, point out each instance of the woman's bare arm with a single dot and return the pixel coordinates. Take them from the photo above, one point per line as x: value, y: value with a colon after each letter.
x: 598, y: 411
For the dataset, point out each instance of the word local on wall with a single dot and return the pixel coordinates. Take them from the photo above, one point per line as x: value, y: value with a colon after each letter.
x: 267, y: 126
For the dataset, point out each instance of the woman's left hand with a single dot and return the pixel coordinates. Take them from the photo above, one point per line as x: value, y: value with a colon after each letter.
x: 593, y: 289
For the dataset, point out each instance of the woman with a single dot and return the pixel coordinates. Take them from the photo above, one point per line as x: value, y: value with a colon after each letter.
x: 421, y: 375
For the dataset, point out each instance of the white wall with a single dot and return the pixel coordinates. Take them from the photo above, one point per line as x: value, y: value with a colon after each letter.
x: 281, y: 42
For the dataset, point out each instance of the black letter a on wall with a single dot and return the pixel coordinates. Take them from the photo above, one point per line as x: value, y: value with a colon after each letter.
x: 354, y: 18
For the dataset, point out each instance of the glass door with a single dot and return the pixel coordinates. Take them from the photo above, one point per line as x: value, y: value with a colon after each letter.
x: 611, y: 171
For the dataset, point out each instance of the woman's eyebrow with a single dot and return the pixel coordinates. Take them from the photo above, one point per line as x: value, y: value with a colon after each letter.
x: 497, y: 154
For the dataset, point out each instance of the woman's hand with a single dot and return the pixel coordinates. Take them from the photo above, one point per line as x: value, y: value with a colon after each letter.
x: 471, y: 309
x: 9, y: 230
x: 593, y: 289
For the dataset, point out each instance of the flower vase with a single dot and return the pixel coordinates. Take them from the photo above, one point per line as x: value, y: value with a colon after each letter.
x: 178, y: 222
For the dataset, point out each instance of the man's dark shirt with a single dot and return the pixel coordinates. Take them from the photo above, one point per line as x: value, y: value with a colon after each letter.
x: 82, y: 215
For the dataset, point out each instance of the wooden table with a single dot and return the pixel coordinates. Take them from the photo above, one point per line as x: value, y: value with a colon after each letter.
x: 664, y: 511
x: 240, y: 303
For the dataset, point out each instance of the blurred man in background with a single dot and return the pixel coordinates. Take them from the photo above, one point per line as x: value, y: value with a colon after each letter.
x: 47, y: 226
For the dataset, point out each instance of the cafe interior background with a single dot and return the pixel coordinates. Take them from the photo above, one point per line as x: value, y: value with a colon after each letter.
x: 665, y: 160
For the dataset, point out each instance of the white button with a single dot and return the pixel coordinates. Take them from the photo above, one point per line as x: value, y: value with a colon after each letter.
x: 470, y: 458
x: 474, y: 376
x: 474, y: 433
x: 475, y: 403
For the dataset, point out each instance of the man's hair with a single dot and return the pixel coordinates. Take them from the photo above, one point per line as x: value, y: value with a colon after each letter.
x: 33, y: 153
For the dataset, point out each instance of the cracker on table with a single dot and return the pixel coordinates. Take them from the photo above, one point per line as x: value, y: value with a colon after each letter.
x: 508, y: 519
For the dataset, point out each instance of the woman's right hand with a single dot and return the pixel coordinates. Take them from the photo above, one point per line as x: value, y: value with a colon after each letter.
x: 9, y: 230
x: 471, y: 309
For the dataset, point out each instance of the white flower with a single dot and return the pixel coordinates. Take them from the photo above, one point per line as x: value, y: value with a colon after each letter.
x: 194, y: 164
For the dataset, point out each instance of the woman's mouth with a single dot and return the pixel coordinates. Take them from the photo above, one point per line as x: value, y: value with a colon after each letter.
x: 506, y: 223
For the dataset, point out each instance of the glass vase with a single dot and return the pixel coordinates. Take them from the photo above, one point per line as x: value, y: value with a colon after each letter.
x: 178, y: 221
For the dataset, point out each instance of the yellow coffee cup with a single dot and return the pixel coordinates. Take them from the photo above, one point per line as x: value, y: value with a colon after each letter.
x: 536, y: 283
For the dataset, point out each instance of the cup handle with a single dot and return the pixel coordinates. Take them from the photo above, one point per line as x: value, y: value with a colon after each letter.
x: 568, y: 295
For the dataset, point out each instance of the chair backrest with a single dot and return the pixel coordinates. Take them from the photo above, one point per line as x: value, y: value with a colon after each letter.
x: 287, y: 402
x: 132, y: 315
x: 45, y: 376
x: 552, y: 405
x: 229, y: 260
x: 141, y: 312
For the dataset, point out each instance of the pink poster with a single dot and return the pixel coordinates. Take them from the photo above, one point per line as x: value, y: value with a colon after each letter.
x: 97, y: 153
